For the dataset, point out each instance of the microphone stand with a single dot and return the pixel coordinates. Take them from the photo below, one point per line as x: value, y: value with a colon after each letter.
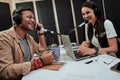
x: 85, y: 22
x: 73, y: 29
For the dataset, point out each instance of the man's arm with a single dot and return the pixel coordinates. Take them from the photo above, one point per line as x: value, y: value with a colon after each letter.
x: 41, y: 36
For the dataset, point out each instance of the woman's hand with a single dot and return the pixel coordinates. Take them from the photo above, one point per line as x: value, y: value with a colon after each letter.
x: 87, y: 51
x: 83, y: 45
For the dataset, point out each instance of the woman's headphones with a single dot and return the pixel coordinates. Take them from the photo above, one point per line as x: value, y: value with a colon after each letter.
x: 96, y: 10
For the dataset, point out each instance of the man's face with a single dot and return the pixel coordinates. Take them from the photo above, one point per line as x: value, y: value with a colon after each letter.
x: 28, y: 21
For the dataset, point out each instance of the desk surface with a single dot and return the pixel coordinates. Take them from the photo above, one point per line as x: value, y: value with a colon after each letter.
x: 78, y: 70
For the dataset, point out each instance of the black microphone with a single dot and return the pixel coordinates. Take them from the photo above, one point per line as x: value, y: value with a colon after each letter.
x: 46, y: 30
x: 82, y: 24
x: 41, y: 29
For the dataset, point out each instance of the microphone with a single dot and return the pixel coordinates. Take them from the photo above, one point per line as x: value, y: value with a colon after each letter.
x: 82, y: 24
x: 46, y: 30
x: 85, y: 22
x: 41, y: 29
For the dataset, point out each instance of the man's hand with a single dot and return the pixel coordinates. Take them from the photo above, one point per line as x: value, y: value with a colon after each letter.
x: 39, y: 26
x: 47, y: 57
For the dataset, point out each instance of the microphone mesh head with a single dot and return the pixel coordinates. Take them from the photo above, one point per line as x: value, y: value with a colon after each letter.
x: 38, y: 28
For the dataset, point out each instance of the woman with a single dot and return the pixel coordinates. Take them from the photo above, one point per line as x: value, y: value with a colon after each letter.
x: 101, y: 33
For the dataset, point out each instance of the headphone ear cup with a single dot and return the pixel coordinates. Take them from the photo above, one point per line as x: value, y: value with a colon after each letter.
x: 97, y: 12
x: 17, y: 19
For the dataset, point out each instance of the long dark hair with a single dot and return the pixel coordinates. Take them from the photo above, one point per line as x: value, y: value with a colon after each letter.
x: 99, y: 24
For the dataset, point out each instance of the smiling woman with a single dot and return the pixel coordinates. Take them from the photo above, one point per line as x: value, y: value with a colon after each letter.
x: 101, y: 33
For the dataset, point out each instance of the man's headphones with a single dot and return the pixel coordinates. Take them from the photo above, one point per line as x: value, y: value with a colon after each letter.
x: 17, y: 18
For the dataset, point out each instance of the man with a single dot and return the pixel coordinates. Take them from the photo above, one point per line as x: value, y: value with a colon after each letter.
x: 17, y: 47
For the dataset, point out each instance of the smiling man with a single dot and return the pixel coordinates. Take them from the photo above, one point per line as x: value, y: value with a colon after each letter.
x: 17, y: 47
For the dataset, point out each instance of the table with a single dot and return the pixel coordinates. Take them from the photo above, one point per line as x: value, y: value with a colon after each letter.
x: 99, y: 69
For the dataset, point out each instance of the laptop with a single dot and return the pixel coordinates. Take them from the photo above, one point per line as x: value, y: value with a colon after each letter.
x: 72, y: 50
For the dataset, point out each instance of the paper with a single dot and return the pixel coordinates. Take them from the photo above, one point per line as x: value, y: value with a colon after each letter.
x: 55, y: 66
x: 79, y: 71
x: 71, y: 76
x: 105, y: 59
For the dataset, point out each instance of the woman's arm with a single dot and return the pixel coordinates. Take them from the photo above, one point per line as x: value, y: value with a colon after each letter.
x: 113, y: 47
x: 111, y: 38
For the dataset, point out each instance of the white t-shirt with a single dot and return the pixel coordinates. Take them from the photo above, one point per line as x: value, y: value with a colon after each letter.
x: 110, y: 32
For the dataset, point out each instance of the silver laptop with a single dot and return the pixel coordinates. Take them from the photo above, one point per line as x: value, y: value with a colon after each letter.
x: 72, y: 50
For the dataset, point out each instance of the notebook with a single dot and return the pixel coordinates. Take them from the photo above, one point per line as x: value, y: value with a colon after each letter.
x: 72, y: 50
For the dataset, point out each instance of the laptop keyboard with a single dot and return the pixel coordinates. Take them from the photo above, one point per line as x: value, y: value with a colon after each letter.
x: 83, y: 57
x: 76, y: 54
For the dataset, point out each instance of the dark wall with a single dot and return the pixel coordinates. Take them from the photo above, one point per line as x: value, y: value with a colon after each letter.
x: 113, y: 13
x: 5, y: 16
x: 65, y: 18
x: 46, y: 17
x: 24, y: 4
x: 77, y: 8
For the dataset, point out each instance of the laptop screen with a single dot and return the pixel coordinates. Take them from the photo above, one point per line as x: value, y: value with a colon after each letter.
x: 72, y: 52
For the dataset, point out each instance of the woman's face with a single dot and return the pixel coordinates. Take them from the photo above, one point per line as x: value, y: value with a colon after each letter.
x: 88, y: 14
